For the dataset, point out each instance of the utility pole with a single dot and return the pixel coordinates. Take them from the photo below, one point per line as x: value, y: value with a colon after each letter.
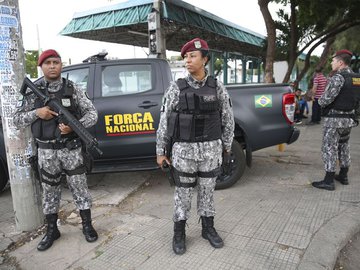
x: 157, y: 46
x: 25, y: 190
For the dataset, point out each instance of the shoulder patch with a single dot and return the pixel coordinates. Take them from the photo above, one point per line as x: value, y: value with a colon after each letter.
x: 20, y: 101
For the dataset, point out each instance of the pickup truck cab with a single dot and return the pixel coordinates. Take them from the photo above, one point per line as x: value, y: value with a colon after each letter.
x: 128, y: 96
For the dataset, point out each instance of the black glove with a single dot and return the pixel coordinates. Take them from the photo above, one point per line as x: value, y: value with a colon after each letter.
x: 226, y: 165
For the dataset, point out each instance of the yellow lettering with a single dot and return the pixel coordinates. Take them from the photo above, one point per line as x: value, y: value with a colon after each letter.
x: 148, y: 117
x: 116, y: 129
x: 145, y: 127
x: 123, y: 123
x: 118, y: 119
x: 132, y: 127
x: 108, y: 119
x: 109, y: 129
x: 138, y: 127
x: 137, y: 118
x: 356, y: 81
x: 127, y: 118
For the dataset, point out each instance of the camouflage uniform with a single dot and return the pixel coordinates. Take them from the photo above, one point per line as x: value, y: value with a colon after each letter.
x: 56, y: 161
x: 336, y: 131
x: 191, y: 157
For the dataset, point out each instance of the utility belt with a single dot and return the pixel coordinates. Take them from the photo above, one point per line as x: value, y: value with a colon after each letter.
x: 70, y: 144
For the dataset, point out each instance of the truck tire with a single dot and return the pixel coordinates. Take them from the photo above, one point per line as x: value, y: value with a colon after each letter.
x: 237, y: 168
x: 3, y: 176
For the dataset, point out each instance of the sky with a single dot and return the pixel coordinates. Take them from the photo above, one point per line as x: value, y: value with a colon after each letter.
x: 43, y: 20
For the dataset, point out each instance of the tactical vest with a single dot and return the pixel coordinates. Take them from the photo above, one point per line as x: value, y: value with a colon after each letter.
x: 48, y: 129
x: 198, y: 118
x: 349, y: 96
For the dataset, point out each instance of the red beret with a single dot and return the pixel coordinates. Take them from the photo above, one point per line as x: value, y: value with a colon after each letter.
x: 194, y: 45
x: 46, y: 54
x: 342, y: 52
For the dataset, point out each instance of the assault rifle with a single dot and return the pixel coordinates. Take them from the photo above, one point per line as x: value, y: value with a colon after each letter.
x: 90, y: 142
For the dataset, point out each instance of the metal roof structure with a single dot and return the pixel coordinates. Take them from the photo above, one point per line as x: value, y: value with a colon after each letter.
x: 127, y: 23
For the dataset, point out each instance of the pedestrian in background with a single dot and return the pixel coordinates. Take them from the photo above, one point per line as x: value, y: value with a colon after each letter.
x: 197, y: 119
x: 338, y: 102
x: 319, y: 83
x: 299, y: 108
x: 59, y: 148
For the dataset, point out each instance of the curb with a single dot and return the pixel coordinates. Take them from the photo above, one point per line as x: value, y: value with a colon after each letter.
x: 324, y: 248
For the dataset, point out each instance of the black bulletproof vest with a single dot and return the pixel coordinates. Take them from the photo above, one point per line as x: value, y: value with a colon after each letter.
x: 198, y: 118
x: 48, y: 129
x: 349, y: 96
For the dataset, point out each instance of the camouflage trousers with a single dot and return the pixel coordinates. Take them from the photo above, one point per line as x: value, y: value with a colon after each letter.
x: 335, y: 146
x: 205, y: 186
x: 54, y: 162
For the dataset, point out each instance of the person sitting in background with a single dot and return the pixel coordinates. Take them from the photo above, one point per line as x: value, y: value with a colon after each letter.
x: 299, y: 110
x: 304, y: 107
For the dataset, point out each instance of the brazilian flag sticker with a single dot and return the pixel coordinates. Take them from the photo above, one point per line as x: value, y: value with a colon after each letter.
x: 263, y: 101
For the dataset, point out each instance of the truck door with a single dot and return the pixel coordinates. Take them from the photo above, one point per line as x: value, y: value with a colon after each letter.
x: 129, y: 104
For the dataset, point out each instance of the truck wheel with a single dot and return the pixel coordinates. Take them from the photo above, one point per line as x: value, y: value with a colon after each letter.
x: 237, y: 168
x: 3, y: 176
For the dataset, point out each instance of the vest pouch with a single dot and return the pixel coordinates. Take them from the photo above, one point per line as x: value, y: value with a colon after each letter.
x: 172, y: 124
x: 190, y: 100
x: 36, y: 129
x: 212, y: 129
x: 208, y: 103
x: 185, y: 126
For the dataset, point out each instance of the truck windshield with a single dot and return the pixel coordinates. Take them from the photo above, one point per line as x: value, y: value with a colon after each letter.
x: 78, y: 76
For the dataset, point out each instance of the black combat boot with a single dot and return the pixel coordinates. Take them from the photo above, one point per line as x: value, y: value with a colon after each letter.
x: 179, y: 237
x: 342, y: 176
x: 88, y: 230
x: 208, y: 232
x: 52, y: 233
x: 327, y: 183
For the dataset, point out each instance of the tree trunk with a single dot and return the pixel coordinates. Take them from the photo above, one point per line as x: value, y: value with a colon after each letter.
x: 294, y: 39
x: 271, y: 38
x: 324, y: 56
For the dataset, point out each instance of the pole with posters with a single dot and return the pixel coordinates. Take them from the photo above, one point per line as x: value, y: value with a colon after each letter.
x: 25, y: 190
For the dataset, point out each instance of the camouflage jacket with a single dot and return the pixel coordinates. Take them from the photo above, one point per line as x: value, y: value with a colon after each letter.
x: 25, y: 114
x: 170, y: 103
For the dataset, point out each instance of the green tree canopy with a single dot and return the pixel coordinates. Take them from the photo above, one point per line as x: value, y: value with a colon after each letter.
x: 31, y: 58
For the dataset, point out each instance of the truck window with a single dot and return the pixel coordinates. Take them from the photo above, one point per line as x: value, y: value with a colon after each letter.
x: 125, y: 79
x: 78, y: 76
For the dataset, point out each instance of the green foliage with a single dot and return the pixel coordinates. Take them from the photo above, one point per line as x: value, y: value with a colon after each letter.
x: 303, y: 25
x: 31, y: 58
x: 349, y: 39
x: 218, y: 66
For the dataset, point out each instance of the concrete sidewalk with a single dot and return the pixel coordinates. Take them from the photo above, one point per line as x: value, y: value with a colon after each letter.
x: 272, y: 219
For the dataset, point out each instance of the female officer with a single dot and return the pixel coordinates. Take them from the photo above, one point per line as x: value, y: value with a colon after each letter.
x: 197, y: 120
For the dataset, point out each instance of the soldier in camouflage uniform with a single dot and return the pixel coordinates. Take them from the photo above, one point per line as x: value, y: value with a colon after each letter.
x: 338, y: 103
x: 59, y: 148
x: 197, y: 120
